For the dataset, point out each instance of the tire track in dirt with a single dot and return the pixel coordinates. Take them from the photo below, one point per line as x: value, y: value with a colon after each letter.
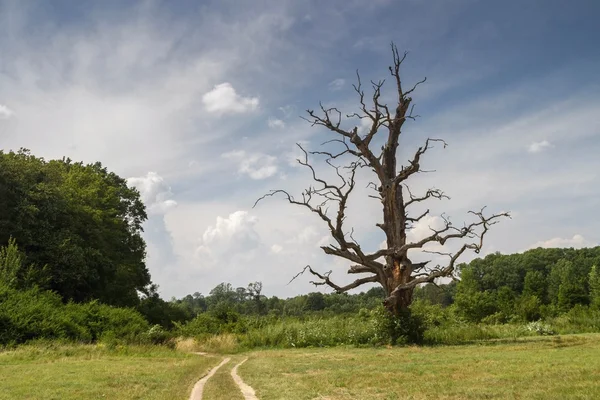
x: 199, y: 386
x: 247, y: 390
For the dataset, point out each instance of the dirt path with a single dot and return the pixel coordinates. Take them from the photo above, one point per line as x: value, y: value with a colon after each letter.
x: 247, y: 391
x: 199, y: 386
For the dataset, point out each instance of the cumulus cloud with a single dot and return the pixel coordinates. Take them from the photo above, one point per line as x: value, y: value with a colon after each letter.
x: 256, y: 166
x: 230, y: 236
x: 423, y: 228
x: 275, y: 123
x: 337, y: 84
x: 5, y: 112
x: 223, y: 99
x: 538, y: 147
x: 364, y: 125
x: 155, y: 192
x: 577, y: 242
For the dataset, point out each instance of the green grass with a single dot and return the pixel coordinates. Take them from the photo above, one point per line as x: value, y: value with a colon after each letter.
x: 531, y: 368
x: 557, y: 367
x: 221, y: 386
x: 82, y: 372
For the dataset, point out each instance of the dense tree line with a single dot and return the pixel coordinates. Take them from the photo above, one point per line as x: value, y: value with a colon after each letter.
x: 249, y: 301
x: 528, y: 286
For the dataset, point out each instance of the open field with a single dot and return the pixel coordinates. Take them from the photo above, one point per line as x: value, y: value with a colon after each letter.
x: 93, y: 372
x: 557, y: 367
x: 535, y: 368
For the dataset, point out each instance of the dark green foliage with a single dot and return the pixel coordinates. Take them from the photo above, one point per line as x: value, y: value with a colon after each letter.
x: 14, y: 273
x: 406, y: 328
x: 436, y: 294
x: 535, y: 284
x: 594, y: 284
x: 80, y: 222
x: 580, y: 319
x: 315, y: 301
x: 37, y: 314
x: 10, y: 264
x: 525, y: 287
x: 160, y: 312
x: 214, y: 323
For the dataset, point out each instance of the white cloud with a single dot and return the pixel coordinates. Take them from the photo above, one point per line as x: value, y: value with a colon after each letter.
x: 364, y: 125
x: 275, y: 249
x: 423, y: 228
x: 337, y: 84
x: 577, y: 242
x: 275, y: 123
x: 5, y: 112
x: 256, y: 166
x: 223, y: 99
x: 234, y: 235
x: 154, y: 191
x: 538, y: 147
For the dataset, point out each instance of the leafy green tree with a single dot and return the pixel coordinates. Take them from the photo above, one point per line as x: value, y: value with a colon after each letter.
x: 534, y: 284
x: 436, y: 294
x: 13, y: 272
x: 594, y: 285
x: 505, y: 302
x: 81, y: 221
x: 528, y: 308
x: 315, y: 301
x: 472, y: 303
x: 159, y: 312
x: 10, y: 264
x: 571, y: 287
x: 254, y: 294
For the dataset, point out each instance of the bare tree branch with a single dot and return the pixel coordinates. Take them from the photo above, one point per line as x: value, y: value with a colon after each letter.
x: 414, y: 165
x: 350, y: 150
x: 431, y: 193
x: 324, y: 280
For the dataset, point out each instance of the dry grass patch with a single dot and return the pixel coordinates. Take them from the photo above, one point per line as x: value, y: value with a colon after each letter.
x: 225, y: 343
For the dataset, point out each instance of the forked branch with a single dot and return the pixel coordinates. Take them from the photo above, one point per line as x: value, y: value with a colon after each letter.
x: 325, y: 280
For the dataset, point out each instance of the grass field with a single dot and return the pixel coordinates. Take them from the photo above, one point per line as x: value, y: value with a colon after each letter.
x: 566, y: 367
x: 94, y: 372
x: 536, y: 368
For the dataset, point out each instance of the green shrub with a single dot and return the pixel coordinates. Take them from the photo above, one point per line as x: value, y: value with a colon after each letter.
x: 125, y: 324
x: 408, y: 328
x: 580, y: 319
x: 34, y: 314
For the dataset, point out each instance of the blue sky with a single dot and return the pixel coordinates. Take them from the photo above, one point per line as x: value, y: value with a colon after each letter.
x: 199, y: 105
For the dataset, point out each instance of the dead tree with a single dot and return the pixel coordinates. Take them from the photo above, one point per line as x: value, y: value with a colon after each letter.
x: 391, y: 267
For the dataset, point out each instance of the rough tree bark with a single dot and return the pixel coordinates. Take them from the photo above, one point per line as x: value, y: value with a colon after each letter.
x: 390, y: 267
